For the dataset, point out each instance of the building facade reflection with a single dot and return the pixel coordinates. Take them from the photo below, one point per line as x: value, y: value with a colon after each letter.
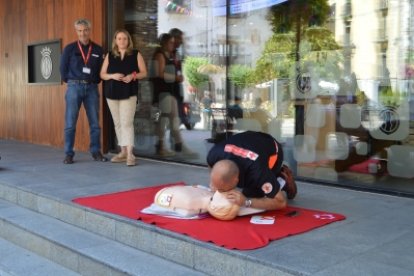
x: 336, y: 82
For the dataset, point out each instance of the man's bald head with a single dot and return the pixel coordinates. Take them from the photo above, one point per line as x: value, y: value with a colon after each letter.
x: 224, y: 176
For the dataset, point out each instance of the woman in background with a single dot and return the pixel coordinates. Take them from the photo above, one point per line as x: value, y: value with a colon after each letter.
x: 121, y: 70
x: 164, y: 76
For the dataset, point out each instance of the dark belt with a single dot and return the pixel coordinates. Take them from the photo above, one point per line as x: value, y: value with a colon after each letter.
x: 80, y: 81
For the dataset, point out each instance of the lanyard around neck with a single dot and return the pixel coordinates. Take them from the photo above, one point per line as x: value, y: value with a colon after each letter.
x: 85, y: 58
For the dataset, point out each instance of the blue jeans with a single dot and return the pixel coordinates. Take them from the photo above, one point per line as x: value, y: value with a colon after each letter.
x: 76, y: 94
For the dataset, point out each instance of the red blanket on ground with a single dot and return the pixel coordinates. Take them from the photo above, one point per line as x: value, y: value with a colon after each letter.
x: 239, y: 233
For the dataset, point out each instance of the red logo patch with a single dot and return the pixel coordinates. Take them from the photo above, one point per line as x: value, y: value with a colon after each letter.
x: 267, y: 188
x: 245, y: 153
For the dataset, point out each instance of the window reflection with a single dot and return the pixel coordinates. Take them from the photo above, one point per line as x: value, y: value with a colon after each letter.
x: 331, y: 79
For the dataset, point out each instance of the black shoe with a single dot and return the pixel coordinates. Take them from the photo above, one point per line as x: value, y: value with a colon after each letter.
x: 99, y: 157
x: 178, y: 147
x: 68, y: 159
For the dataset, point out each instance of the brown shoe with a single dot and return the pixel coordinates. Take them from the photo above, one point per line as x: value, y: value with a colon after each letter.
x: 290, y: 187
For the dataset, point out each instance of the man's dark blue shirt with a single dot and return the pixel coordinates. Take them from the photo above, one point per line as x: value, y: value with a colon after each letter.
x: 72, y: 63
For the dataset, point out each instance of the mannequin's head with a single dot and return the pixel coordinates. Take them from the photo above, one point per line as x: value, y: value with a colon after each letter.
x: 221, y: 208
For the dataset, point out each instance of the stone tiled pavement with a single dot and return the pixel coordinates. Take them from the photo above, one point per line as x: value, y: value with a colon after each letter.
x: 375, y: 239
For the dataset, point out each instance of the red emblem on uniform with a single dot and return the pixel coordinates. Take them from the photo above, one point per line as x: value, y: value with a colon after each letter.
x: 267, y: 188
x: 238, y: 151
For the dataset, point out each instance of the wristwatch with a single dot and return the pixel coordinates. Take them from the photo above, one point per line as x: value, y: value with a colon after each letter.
x: 248, y: 203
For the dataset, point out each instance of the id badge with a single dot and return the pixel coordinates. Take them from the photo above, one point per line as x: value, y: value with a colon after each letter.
x: 86, y: 70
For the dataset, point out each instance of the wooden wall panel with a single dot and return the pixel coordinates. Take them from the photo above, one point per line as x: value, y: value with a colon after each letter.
x: 35, y: 113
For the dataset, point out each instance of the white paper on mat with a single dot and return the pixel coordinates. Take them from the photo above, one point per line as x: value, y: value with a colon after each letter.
x: 155, y: 209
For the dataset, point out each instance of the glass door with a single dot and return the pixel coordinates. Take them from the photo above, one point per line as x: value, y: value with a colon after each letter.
x: 332, y: 80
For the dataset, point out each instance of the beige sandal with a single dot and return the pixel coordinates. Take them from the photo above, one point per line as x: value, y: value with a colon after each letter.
x: 119, y: 158
x: 130, y: 161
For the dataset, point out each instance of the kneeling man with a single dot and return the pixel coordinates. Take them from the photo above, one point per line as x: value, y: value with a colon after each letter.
x: 253, y: 162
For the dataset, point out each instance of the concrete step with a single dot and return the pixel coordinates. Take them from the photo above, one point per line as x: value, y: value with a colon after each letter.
x: 176, y: 248
x: 17, y: 261
x: 77, y: 249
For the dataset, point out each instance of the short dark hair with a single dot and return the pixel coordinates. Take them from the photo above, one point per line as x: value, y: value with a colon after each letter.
x: 164, y: 38
x: 175, y: 32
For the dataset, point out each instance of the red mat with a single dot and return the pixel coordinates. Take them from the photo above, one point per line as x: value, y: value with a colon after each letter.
x: 236, y: 234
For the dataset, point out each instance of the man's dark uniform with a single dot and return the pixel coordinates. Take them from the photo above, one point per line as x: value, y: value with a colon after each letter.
x: 259, y: 158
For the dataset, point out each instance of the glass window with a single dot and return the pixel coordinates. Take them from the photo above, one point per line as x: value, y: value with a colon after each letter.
x: 331, y: 80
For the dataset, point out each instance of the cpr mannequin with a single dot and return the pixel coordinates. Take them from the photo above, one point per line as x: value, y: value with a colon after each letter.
x: 188, y: 201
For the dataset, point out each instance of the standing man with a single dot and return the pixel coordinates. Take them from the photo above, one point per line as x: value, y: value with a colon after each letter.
x: 178, y: 92
x: 177, y: 34
x: 80, y: 65
x: 253, y: 162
